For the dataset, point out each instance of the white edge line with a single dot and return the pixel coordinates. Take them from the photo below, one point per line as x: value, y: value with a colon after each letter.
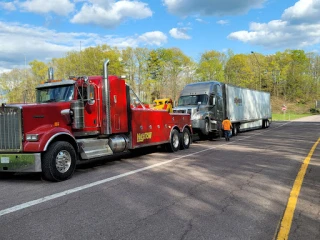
x: 77, y: 189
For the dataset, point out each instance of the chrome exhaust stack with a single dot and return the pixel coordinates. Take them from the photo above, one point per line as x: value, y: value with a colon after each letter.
x: 106, y: 122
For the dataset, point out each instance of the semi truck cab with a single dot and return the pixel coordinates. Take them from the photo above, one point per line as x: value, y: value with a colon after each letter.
x: 204, y: 102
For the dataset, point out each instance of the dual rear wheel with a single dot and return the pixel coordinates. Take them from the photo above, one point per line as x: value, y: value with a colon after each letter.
x: 179, y: 140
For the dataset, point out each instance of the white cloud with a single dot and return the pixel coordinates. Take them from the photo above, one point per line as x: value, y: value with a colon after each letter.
x: 9, y: 6
x: 110, y: 14
x: 304, y: 11
x: 298, y: 28
x: 179, y: 33
x: 20, y: 41
x: 211, y: 7
x: 222, y: 22
x: 59, y: 7
x: 156, y: 38
x: 200, y: 20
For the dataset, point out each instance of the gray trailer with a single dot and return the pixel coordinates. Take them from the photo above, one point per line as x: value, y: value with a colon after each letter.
x: 209, y: 103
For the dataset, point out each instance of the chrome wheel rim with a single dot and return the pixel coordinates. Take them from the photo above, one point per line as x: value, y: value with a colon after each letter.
x: 175, y: 140
x: 186, y: 139
x: 63, y: 161
x: 207, y: 127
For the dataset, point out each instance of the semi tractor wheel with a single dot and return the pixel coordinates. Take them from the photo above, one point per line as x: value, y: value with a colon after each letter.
x: 59, y: 162
x: 174, y: 144
x: 206, y: 131
x: 206, y: 127
x: 235, y: 129
x: 185, y: 139
x: 4, y: 175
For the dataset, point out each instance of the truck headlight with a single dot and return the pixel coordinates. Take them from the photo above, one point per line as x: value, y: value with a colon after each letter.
x: 196, y: 116
x: 32, y: 137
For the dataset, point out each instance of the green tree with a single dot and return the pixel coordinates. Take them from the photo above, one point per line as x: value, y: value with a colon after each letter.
x: 176, y: 63
x: 211, y: 66
x: 15, y: 85
x: 38, y: 74
x: 239, y: 72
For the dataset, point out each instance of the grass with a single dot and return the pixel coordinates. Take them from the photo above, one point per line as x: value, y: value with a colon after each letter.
x: 288, y: 116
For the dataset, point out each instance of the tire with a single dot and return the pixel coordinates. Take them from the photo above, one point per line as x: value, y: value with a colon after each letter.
x: 59, y: 162
x: 185, y: 139
x: 204, y: 134
x: 235, y: 130
x: 5, y: 175
x: 267, y: 124
x: 206, y: 127
x: 174, y: 144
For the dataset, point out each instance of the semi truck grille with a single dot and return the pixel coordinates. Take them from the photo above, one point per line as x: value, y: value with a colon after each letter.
x: 188, y: 111
x: 10, y: 129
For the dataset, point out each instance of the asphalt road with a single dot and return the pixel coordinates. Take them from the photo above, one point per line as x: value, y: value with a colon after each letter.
x: 214, y: 190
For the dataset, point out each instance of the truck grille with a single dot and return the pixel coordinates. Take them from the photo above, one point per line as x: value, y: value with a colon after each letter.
x: 10, y: 129
x: 188, y: 111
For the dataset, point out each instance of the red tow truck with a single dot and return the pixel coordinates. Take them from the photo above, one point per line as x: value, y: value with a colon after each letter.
x: 82, y: 119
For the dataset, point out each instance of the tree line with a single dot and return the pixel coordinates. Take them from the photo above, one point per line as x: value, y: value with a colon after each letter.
x: 291, y: 75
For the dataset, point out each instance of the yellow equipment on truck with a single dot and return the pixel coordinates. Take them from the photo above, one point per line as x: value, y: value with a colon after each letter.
x: 165, y: 104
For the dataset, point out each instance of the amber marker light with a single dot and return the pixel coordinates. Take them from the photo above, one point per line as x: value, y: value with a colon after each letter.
x: 56, y: 124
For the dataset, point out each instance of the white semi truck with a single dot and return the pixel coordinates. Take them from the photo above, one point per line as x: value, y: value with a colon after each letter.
x: 210, y: 102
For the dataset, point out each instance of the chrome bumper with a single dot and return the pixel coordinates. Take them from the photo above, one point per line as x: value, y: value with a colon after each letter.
x: 198, y: 125
x: 22, y: 162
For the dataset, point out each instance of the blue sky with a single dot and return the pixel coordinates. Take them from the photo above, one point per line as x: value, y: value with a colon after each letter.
x: 45, y: 29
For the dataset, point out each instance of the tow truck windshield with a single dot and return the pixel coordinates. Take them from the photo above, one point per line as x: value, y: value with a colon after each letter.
x: 193, y: 100
x: 55, y: 94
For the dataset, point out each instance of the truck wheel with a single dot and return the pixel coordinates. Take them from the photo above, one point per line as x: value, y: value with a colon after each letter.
x: 4, y: 175
x: 59, y: 162
x: 174, y: 144
x: 206, y: 127
x: 185, y: 139
x: 235, y: 130
x: 204, y: 134
x: 266, y: 123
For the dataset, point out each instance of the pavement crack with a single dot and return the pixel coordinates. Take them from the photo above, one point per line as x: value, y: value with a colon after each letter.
x: 187, y: 230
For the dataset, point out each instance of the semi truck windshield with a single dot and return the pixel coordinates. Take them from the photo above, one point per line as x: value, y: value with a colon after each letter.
x: 193, y: 100
x: 55, y: 94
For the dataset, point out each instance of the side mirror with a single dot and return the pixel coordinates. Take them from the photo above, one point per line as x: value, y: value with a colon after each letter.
x: 213, y: 100
x: 199, y: 103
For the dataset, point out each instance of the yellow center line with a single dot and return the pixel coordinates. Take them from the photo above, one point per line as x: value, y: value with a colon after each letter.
x: 294, y: 194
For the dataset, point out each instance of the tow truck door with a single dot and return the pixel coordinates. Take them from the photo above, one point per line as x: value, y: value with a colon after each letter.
x: 90, y: 108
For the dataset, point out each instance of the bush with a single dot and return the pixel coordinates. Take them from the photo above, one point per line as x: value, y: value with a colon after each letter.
x: 314, y: 111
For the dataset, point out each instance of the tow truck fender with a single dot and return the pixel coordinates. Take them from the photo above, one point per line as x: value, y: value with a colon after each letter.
x: 48, y: 136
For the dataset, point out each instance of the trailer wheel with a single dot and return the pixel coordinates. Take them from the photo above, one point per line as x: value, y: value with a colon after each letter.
x: 267, y: 123
x: 174, y: 144
x: 185, y: 139
x: 59, y: 162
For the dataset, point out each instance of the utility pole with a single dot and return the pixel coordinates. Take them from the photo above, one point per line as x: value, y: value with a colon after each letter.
x: 80, y: 61
x: 25, y: 80
x: 258, y: 66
